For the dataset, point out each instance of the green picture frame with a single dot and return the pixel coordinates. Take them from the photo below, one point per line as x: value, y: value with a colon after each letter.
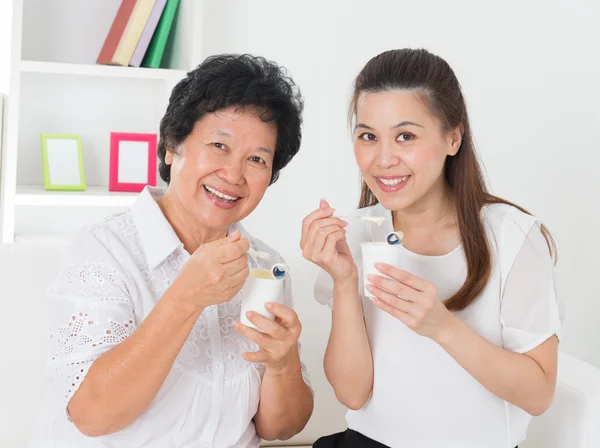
x: 62, y: 160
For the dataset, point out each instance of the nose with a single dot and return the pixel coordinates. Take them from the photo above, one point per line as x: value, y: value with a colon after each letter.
x: 233, y: 172
x: 388, y: 155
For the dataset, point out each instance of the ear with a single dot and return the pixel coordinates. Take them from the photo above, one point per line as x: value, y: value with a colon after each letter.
x: 169, y: 157
x: 455, y: 139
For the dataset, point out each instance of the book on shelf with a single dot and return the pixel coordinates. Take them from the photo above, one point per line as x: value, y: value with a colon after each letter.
x: 142, y: 46
x: 115, y: 33
x: 156, y: 50
x: 127, y: 39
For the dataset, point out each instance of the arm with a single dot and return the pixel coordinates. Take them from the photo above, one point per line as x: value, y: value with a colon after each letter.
x: 348, y: 361
x: 125, y: 378
x: 286, y: 401
x: 526, y: 380
x: 123, y: 381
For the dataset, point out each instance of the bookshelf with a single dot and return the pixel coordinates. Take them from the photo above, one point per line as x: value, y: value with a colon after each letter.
x: 56, y: 87
x: 106, y: 71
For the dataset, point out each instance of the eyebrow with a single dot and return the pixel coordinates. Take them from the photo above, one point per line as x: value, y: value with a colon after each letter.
x: 224, y: 133
x: 399, y: 125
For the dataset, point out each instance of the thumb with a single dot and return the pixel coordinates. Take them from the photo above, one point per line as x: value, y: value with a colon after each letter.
x: 235, y: 236
x: 324, y: 204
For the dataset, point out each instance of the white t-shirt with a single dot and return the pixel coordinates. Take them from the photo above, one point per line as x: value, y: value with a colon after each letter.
x: 116, y: 273
x: 422, y: 398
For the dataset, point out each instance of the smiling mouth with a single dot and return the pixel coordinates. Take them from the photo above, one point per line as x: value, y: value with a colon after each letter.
x: 392, y: 182
x: 220, y: 196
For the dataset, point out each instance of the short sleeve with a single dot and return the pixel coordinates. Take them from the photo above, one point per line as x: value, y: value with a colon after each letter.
x: 530, y: 310
x: 288, y: 300
x: 90, y: 312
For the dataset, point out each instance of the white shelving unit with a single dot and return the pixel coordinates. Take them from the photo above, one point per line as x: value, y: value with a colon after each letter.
x: 56, y: 87
x: 35, y: 196
x: 107, y: 71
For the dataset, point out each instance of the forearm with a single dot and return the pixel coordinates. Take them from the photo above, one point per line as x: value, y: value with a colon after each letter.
x: 122, y: 383
x: 348, y: 360
x: 286, y: 403
x: 511, y: 376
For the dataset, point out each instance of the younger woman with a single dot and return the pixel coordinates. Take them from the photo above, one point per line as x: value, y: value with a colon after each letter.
x: 458, y: 347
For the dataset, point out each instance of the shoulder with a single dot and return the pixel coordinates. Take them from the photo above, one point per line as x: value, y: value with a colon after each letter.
x: 503, y: 219
x: 106, y: 241
x: 513, y: 231
x: 107, y: 237
x: 91, y: 264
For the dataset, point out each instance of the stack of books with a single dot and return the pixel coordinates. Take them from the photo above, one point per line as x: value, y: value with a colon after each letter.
x: 138, y: 35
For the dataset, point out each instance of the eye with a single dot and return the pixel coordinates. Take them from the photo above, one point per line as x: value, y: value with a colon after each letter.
x: 219, y: 145
x: 258, y: 160
x: 367, y: 136
x: 404, y: 137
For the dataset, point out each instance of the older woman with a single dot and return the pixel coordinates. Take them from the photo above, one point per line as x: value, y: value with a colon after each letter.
x: 147, y: 349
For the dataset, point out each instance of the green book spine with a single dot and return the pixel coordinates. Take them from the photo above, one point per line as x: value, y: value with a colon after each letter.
x: 155, y: 52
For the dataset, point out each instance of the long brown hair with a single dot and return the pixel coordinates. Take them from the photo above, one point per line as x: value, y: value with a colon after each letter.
x: 432, y: 78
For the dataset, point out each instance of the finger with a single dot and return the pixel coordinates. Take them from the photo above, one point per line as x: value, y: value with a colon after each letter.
x: 316, y: 242
x: 268, y: 326
x: 261, y: 356
x: 324, y: 204
x: 289, y: 318
x: 319, y: 226
x: 319, y: 213
x: 236, y: 266
x: 238, y: 279
x: 402, y: 276
x: 330, y: 247
x: 263, y: 340
x: 233, y: 251
x: 395, y: 312
x: 394, y: 287
x: 392, y: 300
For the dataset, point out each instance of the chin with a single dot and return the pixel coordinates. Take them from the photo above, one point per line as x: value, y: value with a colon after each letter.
x: 394, y: 203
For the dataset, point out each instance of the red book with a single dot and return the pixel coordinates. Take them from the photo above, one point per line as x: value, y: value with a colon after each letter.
x: 116, y: 32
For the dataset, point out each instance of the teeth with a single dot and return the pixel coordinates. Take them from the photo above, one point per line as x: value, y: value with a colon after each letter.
x: 220, y: 195
x: 392, y: 182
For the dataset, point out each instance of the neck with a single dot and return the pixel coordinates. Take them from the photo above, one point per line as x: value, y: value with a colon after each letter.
x: 189, y: 232
x: 435, y: 206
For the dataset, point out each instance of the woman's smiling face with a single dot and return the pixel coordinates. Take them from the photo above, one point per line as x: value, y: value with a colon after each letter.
x: 222, y: 169
x: 400, y: 147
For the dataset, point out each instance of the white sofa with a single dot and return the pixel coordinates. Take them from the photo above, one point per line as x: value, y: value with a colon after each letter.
x: 573, y: 421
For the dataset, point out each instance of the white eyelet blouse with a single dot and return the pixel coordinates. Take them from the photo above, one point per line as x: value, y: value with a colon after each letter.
x: 116, y: 273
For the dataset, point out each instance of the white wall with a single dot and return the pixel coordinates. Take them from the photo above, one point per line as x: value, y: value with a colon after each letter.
x: 530, y: 72
x: 5, y: 32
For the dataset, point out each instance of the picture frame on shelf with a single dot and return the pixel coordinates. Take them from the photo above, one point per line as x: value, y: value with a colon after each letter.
x: 132, y: 161
x: 62, y: 160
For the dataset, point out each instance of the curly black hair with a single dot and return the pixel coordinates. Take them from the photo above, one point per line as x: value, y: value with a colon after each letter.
x: 240, y: 81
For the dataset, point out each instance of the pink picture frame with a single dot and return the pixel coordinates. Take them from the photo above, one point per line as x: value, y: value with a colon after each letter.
x: 132, y: 161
